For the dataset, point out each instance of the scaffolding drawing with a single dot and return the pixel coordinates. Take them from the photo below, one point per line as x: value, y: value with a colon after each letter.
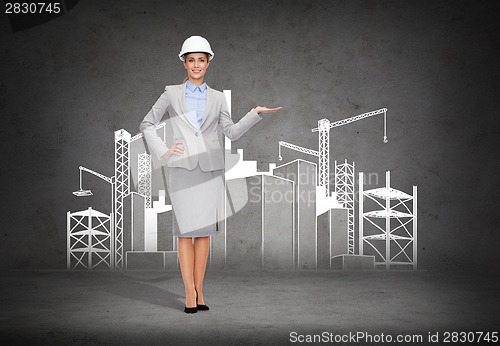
x: 144, y: 178
x: 344, y: 188
x: 389, y: 241
x: 122, y: 183
x: 324, y: 154
x: 89, y: 240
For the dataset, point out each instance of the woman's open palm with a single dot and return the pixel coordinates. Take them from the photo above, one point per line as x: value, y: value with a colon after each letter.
x: 260, y: 109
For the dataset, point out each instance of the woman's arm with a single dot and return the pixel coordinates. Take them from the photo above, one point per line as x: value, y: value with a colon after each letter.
x: 234, y: 131
x: 150, y: 121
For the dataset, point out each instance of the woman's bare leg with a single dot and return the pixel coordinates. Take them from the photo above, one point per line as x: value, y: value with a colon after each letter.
x: 186, y: 259
x: 201, y: 249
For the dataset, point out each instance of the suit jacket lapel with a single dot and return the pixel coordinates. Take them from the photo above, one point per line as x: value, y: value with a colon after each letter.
x: 208, y: 105
x: 183, y: 106
x: 182, y: 101
x: 184, y: 109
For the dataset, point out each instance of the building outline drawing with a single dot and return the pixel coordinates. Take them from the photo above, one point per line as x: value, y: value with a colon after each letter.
x: 319, y: 231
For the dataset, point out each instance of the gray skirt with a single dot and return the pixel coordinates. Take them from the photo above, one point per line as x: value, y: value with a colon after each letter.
x: 197, y: 202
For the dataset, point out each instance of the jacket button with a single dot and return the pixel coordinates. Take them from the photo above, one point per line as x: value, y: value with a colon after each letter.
x: 196, y: 133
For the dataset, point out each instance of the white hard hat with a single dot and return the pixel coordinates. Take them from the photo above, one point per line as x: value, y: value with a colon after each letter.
x: 196, y: 44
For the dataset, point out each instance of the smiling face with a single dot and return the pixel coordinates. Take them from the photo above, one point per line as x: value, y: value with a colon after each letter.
x: 196, y: 65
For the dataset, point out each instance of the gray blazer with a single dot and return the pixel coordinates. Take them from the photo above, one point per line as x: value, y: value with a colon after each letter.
x: 201, y: 142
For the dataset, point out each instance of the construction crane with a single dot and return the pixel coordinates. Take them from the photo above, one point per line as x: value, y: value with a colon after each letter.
x: 323, y: 128
x: 81, y: 192
x: 120, y: 183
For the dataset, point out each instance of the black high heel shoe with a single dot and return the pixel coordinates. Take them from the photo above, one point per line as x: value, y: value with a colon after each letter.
x: 200, y: 306
x: 191, y: 310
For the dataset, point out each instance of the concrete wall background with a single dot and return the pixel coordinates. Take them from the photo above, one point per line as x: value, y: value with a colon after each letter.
x: 68, y: 84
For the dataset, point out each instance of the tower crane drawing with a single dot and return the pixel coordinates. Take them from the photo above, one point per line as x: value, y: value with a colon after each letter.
x: 323, y: 130
x: 120, y: 186
x: 346, y: 198
x: 82, y: 192
x: 120, y: 183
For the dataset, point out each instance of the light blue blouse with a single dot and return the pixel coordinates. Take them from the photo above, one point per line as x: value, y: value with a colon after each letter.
x: 196, y: 99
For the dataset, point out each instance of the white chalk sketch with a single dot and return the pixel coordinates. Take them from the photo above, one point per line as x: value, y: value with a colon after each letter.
x: 90, y: 240
x: 392, y: 243
x: 119, y: 188
x: 144, y: 173
x: 280, y: 219
x: 344, y: 190
x: 323, y: 154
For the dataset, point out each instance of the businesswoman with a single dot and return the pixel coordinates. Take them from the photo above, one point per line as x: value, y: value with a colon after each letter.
x: 196, y: 160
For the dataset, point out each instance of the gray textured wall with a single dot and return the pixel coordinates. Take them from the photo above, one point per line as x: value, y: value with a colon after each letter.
x: 68, y: 84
